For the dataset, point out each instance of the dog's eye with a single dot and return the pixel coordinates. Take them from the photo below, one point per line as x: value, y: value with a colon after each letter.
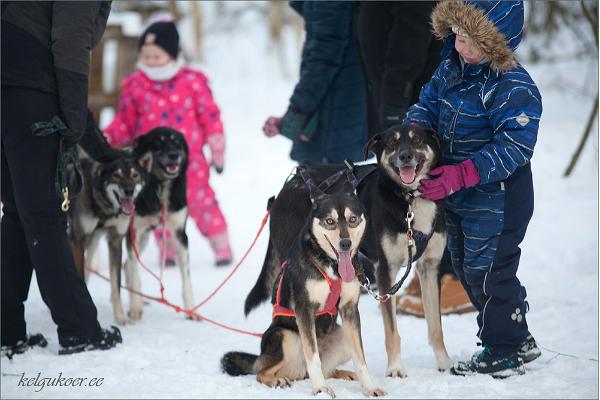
x: 329, y: 221
x: 135, y: 175
x: 162, y: 138
x: 353, y: 219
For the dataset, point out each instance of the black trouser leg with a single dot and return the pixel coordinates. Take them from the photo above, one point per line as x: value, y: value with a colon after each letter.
x: 32, y: 164
x: 15, y: 264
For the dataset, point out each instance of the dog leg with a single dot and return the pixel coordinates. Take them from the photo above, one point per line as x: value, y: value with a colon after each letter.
x: 132, y: 276
x: 184, y: 267
x: 78, y: 249
x: 90, y: 252
x: 351, y: 328
x: 395, y: 367
x: 306, y: 326
x: 427, y: 267
x: 283, y: 360
x: 115, y: 248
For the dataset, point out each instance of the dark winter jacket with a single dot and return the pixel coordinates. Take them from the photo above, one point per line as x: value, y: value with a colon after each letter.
x: 488, y: 113
x: 47, y: 46
x: 399, y: 54
x: 331, y: 83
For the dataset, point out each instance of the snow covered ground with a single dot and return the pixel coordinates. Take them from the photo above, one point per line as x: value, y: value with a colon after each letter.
x: 166, y: 356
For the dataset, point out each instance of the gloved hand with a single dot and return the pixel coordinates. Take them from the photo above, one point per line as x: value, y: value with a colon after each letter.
x: 216, y: 143
x: 451, y: 179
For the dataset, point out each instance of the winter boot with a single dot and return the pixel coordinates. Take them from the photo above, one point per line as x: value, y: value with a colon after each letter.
x: 529, y: 350
x: 105, y: 339
x: 221, y: 248
x: 23, y: 345
x: 486, y: 362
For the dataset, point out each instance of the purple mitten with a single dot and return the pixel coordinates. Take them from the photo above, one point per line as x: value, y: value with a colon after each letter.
x: 451, y: 179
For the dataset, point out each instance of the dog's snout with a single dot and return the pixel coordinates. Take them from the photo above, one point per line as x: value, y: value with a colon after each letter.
x: 345, y: 244
x: 405, y: 156
x: 173, y: 155
x: 128, y: 190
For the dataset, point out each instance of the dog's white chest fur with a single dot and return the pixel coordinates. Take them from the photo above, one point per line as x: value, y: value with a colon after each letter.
x: 395, y: 246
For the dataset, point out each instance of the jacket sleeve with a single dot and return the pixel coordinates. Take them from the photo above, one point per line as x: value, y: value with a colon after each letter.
x: 72, y: 35
x: 514, y: 117
x: 323, y: 52
x: 121, y: 130
x: 208, y: 112
x: 426, y: 112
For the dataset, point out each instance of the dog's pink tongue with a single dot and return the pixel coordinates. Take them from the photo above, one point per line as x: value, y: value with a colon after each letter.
x: 127, y: 206
x: 345, y: 267
x: 407, y: 174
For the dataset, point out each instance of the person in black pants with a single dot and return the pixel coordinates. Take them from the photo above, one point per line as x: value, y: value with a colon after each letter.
x: 399, y: 54
x: 45, y: 63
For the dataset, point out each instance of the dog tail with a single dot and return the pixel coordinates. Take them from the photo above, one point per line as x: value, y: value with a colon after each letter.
x: 237, y: 363
x: 262, y: 288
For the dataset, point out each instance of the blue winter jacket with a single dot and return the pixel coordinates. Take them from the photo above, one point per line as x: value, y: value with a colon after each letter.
x: 489, y: 112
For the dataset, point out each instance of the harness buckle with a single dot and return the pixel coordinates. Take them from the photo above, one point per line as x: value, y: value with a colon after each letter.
x: 66, y: 202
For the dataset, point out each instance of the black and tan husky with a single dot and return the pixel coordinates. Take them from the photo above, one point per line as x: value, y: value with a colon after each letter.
x: 317, y: 280
x: 105, y: 205
x: 163, y: 198
x: 405, y: 154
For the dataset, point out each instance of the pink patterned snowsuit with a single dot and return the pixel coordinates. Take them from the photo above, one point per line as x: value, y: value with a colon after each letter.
x: 184, y: 103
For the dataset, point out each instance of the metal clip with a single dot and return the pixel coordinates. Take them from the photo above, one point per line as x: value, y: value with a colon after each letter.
x: 65, y: 204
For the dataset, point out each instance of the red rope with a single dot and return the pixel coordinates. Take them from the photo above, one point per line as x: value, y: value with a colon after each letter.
x: 233, y: 271
x: 179, y: 309
x: 192, y: 312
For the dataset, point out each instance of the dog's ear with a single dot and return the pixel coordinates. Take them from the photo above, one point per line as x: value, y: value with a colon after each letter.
x: 372, y: 144
x: 435, y: 136
x: 145, y: 161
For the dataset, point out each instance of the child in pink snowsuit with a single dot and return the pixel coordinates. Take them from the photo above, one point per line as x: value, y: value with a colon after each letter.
x: 164, y: 92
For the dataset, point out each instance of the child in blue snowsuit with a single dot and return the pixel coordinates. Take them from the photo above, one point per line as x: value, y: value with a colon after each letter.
x: 487, y: 109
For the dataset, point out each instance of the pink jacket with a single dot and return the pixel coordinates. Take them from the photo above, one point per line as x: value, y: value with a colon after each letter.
x: 184, y: 103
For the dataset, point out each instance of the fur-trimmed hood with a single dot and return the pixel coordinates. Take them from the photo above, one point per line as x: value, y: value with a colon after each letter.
x: 495, y: 26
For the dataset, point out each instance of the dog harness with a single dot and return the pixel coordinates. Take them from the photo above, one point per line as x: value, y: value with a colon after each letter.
x: 335, y: 288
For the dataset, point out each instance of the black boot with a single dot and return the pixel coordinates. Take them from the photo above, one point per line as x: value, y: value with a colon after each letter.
x: 486, y: 362
x: 104, y: 340
x: 23, y: 345
x: 529, y: 350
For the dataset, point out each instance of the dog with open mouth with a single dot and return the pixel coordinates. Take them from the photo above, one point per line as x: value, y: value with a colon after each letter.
x: 388, y: 191
x: 105, y: 205
x: 162, y: 199
x: 317, y: 280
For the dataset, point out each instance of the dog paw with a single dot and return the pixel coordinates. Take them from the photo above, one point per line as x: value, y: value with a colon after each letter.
x: 120, y: 319
x: 343, y: 374
x: 135, y: 314
x: 193, y: 317
x: 444, y: 364
x: 373, y: 392
x: 396, y: 372
x: 324, y: 389
x: 273, y: 381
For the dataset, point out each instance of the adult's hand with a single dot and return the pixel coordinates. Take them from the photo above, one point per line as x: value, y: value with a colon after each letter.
x: 271, y: 126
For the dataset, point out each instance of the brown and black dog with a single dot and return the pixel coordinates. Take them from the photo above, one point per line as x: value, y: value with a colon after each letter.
x: 405, y: 154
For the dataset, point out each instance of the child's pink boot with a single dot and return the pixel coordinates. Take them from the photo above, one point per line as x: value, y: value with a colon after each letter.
x: 221, y: 248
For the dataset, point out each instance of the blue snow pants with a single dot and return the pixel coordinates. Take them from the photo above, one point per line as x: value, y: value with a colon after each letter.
x: 485, y: 225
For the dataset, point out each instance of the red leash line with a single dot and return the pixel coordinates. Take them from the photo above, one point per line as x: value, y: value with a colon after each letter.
x: 234, y: 270
x: 177, y: 308
x: 180, y: 309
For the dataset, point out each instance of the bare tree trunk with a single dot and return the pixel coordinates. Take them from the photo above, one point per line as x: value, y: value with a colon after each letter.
x: 590, y: 123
